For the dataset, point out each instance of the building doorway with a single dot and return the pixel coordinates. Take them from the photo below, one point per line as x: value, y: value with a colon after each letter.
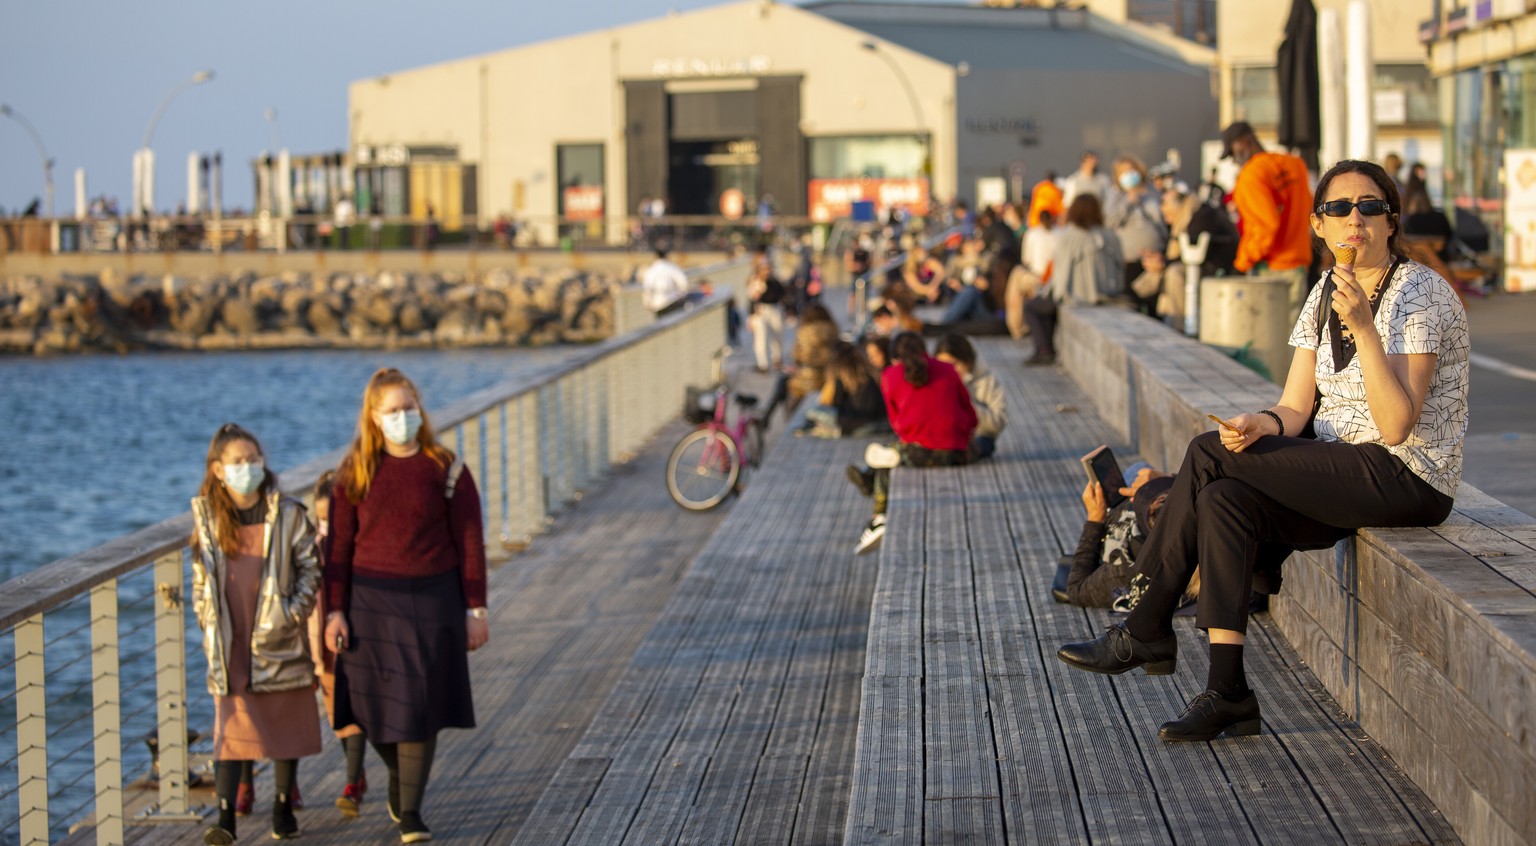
x: 699, y: 172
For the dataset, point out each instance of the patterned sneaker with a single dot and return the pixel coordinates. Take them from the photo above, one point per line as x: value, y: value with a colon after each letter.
x: 351, y: 801
x: 872, y: 535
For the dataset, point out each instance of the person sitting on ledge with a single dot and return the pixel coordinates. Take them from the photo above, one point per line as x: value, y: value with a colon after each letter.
x: 986, y: 392
x: 850, y: 403
x: 1384, y: 343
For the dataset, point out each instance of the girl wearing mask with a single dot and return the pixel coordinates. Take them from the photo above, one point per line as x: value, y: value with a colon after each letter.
x: 405, y: 583
x: 353, y: 741
x: 255, y: 573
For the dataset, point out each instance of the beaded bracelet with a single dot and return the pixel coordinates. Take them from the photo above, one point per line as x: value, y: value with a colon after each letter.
x: 1278, y: 422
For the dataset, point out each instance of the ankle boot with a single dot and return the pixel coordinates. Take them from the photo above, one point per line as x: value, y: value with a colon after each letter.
x: 1117, y: 651
x: 284, y: 825
x: 1209, y: 715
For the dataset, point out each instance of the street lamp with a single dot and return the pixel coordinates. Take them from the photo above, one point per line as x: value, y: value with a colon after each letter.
x: 906, y: 83
x: 271, y: 115
x: 148, y: 165
x: 11, y: 113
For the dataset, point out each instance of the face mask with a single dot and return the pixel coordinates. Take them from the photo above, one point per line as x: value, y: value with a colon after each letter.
x: 1130, y: 179
x: 401, y: 427
x: 244, y: 479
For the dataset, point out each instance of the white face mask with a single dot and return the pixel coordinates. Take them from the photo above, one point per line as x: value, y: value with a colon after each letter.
x: 244, y: 479
x: 400, y: 427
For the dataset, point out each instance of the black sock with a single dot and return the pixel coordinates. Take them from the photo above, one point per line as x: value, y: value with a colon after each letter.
x: 354, y: 747
x: 226, y: 780
x: 1226, y: 676
x: 1151, y: 619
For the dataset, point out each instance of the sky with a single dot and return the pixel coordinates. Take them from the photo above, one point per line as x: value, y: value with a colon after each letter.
x: 89, y: 75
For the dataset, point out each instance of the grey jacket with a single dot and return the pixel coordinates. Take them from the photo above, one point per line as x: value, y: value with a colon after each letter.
x: 1088, y: 266
x: 987, y: 398
x: 290, y: 581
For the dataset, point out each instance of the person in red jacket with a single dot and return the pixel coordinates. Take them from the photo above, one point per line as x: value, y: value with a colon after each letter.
x: 931, y: 413
x: 405, y: 590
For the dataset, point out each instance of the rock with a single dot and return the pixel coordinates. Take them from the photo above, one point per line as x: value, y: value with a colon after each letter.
x: 240, y: 317
x: 323, y: 314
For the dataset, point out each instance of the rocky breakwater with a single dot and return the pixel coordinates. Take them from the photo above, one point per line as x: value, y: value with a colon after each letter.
x: 387, y: 310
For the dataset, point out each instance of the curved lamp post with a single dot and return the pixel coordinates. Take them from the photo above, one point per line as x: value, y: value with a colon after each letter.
x: 198, y: 78
x: 906, y: 83
x: 11, y: 113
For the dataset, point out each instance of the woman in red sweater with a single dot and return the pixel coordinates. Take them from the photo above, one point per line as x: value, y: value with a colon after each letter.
x: 930, y: 412
x: 405, y: 585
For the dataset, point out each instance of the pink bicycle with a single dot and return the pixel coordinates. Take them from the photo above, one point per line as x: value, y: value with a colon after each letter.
x: 710, y: 463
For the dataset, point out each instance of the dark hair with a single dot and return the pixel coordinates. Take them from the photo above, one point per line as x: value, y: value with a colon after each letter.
x: 1384, y: 183
x: 816, y: 313
x: 881, y: 343
x: 1047, y: 217
x: 1085, y: 212
x: 849, y: 367
x: 957, y: 347
x: 324, y: 485
x: 908, y: 351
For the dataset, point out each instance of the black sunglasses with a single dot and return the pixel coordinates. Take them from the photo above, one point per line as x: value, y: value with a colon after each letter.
x: 1342, y: 208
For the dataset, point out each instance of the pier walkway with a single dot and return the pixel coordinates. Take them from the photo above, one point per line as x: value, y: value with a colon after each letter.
x: 741, y: 677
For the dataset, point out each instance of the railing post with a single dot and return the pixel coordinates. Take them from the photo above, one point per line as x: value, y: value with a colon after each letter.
x: 495, y: 483
x: 106, y: 692
x: 31, y: 733
x: 470, y: 452
x: 171, y: 691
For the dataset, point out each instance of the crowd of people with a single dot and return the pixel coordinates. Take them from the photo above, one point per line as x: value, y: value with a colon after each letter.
x: 378, y: 597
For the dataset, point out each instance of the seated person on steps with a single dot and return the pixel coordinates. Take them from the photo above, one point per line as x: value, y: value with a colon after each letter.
x: 932, y: 416
x: 850, y: 403
x: 986, y: 393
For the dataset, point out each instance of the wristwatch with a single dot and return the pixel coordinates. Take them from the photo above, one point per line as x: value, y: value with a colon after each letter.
x: 477, y: 613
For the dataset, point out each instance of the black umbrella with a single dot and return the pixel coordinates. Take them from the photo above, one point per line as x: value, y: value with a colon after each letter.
x: 1300, y: 126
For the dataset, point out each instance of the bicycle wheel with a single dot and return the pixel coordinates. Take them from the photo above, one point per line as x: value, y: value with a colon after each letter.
x: 703, y: 469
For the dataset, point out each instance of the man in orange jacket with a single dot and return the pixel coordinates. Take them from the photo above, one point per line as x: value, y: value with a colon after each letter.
x: 1274, y: 199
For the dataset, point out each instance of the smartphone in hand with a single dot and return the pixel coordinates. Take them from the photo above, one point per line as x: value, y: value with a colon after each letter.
x: 1101, y: 467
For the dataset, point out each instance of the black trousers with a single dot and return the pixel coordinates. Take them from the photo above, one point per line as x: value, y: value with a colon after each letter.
x: 1290, y: 492
x: 1040, y: 315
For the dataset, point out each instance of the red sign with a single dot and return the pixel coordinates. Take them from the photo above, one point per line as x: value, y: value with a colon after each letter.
x: 733, y: 204
x: 834, y: 198
x: 584, y: 202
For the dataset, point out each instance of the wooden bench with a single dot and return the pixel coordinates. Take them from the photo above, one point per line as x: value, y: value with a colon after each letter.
x: 971, y: 730
x: 1426, y: 637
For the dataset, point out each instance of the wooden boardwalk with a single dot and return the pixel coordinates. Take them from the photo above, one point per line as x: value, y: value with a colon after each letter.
x: 662, y: 677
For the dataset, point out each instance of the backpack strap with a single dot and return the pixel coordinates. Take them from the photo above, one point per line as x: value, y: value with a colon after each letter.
x: 454, y: 471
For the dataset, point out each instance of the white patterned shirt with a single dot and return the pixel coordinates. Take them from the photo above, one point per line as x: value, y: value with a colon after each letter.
x: 1419, y: 313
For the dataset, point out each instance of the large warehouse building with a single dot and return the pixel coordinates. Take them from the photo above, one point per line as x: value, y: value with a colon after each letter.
x: 812, y: 106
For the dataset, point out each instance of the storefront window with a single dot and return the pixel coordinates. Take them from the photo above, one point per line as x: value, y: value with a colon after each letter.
x: 870, y: 156
x: 1256, y: 95
x: 580, y: 170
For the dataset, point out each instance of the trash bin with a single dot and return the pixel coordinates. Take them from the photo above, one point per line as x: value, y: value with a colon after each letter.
x: 1252, y: 313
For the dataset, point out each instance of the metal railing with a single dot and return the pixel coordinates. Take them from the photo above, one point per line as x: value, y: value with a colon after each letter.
x: 895, y: 256
x: 533, y: 444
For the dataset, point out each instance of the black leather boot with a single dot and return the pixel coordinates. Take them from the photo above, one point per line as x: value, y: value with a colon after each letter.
x: 1118, y: 651
x: 1210, y: 715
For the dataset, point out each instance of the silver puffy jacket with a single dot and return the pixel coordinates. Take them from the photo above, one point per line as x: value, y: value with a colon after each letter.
x: 290, y: 579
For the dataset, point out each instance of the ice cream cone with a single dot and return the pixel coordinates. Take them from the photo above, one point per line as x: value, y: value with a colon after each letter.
x: 1344, y: 255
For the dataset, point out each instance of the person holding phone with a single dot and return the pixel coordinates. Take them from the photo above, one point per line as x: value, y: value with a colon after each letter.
x: 1112, y: 536
x: 1383, y: 343
x: 406, y: 588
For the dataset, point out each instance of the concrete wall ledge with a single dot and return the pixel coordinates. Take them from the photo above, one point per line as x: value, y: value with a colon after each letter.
x: 1426, y: 637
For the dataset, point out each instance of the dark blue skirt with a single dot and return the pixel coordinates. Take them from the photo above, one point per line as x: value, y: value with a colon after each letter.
x: 405, y: 674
